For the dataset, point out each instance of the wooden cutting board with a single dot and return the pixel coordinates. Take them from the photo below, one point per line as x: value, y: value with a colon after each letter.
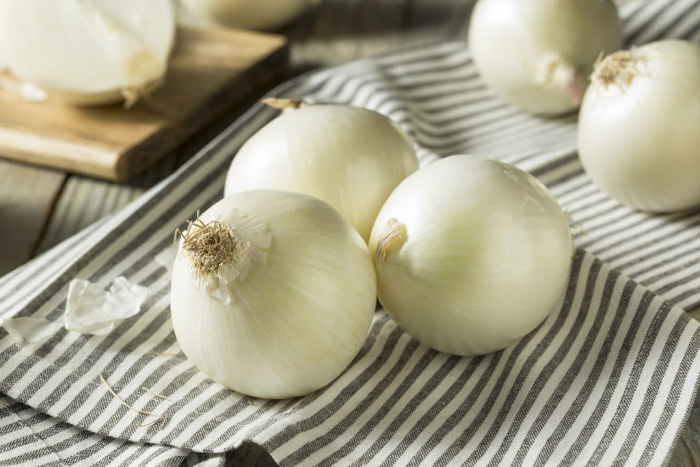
x: 210, y: 70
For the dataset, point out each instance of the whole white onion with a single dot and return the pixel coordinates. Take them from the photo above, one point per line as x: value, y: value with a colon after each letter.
x: 247, y: 14
x: 537, y: 54
x: 638, y: 133
x: 349, y: 157
x: 89, y: 51
x: 272, y: 294
x: 471, y: 254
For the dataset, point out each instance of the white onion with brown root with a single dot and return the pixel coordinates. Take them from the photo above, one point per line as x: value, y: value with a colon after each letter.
x: 90, y: 51
x: 350, y: 157
x: 471, y: 254
x: 639, y: 135
x: 273, y: 293
x: 537, y: 54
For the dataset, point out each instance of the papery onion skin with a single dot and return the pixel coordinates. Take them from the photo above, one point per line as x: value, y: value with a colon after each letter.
x: 639, y: 135
x: 88, y: 52
x: 481, y: 258
x: 246, y: 14
x: 298, y: 315
x: 537, y: 54
x: 350, y: 157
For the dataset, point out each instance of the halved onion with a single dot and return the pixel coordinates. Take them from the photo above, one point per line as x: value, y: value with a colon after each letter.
x: 87, y: 52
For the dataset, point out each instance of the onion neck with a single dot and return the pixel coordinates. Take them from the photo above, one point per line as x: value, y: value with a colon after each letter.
x: 554, y: 72
x: 393, y: 237
x: 284, y: 104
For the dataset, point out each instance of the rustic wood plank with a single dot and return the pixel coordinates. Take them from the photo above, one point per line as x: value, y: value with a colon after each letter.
x: 206, y: 74
x: 85, y: 200
x: 27, y: 195
x: 337, y: 31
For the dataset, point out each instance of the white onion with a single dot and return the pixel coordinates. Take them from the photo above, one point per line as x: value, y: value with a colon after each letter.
x: 536, y: 54
x: 638, y: 126
x: 247, y: 14
x: 272, y: 293
x: 349, y: 157
x: 471, y: 254
x: 90, y: 51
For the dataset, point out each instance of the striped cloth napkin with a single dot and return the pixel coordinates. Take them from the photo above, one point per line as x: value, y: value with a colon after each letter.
x: 608, y: 379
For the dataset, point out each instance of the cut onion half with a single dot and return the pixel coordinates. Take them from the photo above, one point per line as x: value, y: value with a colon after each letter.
x: 87, y: 51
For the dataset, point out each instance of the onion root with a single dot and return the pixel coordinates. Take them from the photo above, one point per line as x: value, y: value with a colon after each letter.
x: 619, y: 69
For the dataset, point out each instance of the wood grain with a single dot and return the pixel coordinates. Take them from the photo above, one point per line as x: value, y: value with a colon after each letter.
x: 27, y: 197
x: 208, y: 72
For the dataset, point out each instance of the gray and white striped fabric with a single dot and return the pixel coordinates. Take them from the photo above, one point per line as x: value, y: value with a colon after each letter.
x: 607, y: 379
x: 39, y: 439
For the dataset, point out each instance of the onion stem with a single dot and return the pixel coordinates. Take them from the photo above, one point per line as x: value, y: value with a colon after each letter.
x: 282, y: 104
x: 393, y: 237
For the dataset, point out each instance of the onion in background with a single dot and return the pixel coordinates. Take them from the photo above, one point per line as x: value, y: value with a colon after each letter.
x: 537, y: 54
x: 639, y: 137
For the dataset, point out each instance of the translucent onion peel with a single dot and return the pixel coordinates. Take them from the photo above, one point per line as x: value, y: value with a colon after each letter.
x: 350, y: 157
x: 272, y: 293
x: 88, y: 51
x: 28, y: 330
x: 537, y: 54
x: 638, y: 133
x: 471, y: 254
x: 92, y: 310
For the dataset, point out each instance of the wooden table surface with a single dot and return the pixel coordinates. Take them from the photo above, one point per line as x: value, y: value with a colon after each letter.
x: 40, y: 207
